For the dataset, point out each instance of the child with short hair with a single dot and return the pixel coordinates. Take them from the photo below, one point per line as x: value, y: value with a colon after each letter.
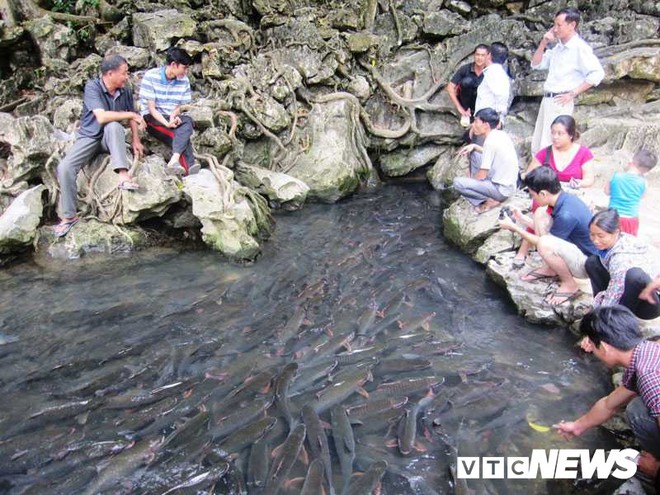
x: 626, y: 189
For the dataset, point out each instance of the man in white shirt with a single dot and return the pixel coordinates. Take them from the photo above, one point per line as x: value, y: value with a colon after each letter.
x: 497, y: 178
x: 572, y: 69
x: 495, y: 89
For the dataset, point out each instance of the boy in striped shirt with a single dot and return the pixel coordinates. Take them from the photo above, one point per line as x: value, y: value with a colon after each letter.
x: 162, y: 93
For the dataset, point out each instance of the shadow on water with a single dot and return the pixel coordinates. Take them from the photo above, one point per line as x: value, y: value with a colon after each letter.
x: 164, y: 369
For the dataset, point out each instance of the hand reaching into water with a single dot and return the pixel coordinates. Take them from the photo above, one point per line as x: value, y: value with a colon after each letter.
x: 648, y: 293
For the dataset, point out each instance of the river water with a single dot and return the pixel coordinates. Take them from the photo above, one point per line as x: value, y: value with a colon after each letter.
x: 140, y: 373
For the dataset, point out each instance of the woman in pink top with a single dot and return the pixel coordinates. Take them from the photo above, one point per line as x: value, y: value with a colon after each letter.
x: 571, y: 161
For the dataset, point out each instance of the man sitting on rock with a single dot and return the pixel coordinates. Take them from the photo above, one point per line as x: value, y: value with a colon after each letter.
x: 162, y: 92
x: 496, y: 178
x: 561, y: 237
x: 106, y: 103
x: 611, y: 333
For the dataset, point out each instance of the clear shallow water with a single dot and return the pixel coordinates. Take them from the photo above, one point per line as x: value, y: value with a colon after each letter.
x: 102, y: 360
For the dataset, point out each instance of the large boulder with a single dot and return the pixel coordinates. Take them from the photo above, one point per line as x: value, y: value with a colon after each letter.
x: 93, y: 237
x: 229, y: 224
x: 529, y: 296
x: 31, y: 141
x: 336, y: 161
x: 280, y: 189
x: 404, y: 160
x: 157, y: 191
x: 157, y: 30
x: 19, y: 222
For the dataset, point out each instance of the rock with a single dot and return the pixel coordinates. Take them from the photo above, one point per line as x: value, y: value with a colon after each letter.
x: 528, y: 296
x: 157, y: 191
x: 80, y: 71
x: 67, y: 113
x: 157, y: 30
x: 280, y: 189
x: 213, y: 140
x: 137, y: 58
x: 201, y: 114
x: 92, y: 237
x: 31, y: 141
x: 54, y: 40
x: 361, y: 42
x: 336, y: 162
x: 467, y: 229
x: 359, y: 87
x: 446, y: 168
x: 444, y: 23
x: 19, y: 222
x: 228, y: 222
x: 404, y: 161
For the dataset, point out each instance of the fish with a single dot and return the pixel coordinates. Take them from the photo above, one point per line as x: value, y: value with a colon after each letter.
x: 368, y: 482
x: 185, y: 432
x: 419, y: 322
x: 284, y: 460
x: 318, y: 442
x: 344, y: 441
x: 257, y: 472
x: 407, y: 431
x: 400, y: 365
x: 313, y: 484
x: 123, y: 464
x: 248, y: 435
x: 366, y: 319
x: 308, y: 375
x: 281, y: 390
x: 408, y: 386
x: 233, y: 421
x: 373, y: 407
x: 200, y: 481
x: 338, y: 392
x: 292, y: 326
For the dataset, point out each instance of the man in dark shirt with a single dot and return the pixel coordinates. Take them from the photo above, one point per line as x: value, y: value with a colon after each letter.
x: 462, y: 88
x: 561, y: 238
x: 611, y: 333
x: 106, y: 103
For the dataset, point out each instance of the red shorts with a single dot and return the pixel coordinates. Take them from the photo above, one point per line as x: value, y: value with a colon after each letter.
x: 630, y: 225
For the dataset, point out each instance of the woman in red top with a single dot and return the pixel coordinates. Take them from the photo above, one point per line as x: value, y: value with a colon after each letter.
x: 571, y: 161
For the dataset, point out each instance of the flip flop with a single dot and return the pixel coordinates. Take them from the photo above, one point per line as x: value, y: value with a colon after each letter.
x: 62, y: 228
x: 568, y: 297
x: 127, y: 185
x: 534, y: 276
x: 517, y: 264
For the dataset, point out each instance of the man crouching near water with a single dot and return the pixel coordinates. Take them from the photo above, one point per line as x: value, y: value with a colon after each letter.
x: 106, y: 103
x: 611, y: 333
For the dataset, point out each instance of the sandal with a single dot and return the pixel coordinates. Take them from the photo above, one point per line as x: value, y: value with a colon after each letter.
x: 517, y: 263
x: 535, y: 276
x: 128, y: 185
x: 62, y: 228
x: 566, y: 297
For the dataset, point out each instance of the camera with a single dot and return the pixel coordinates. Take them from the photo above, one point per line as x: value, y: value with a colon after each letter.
x: 505, y: 212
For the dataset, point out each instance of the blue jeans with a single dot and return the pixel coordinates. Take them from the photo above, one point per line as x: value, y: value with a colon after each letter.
x: 644, y: 426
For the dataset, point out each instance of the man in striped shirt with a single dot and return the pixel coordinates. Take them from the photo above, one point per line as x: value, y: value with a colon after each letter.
x: 162, y: 93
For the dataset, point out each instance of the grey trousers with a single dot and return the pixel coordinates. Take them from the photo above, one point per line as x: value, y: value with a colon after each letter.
x: 178, y: 138
x: 477, y: 191
x: 80, y: 154
x: 644, y: 426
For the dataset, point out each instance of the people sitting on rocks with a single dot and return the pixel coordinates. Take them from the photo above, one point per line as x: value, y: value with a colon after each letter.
x: 497, y: 174
x: 463, y: 86
x: 163, y: 91
x: 627, y: 188
x: 611, y: 333
x: 623, y: 267
x: 561, y: 237
x: 572, y: 162
x: 106, y: 103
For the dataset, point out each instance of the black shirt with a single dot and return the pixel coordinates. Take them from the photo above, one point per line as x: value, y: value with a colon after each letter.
x: 467, y: 81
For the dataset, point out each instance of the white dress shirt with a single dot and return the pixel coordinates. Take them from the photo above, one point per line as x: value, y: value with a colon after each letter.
x: 570, y: 65
x: 494, y: 90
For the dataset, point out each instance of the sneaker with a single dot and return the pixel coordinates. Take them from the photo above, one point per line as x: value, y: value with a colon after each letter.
x: 175, y: 169
x: 195, y: 168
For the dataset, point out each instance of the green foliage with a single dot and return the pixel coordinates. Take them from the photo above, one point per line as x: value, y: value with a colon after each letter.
x: 69, y: 6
